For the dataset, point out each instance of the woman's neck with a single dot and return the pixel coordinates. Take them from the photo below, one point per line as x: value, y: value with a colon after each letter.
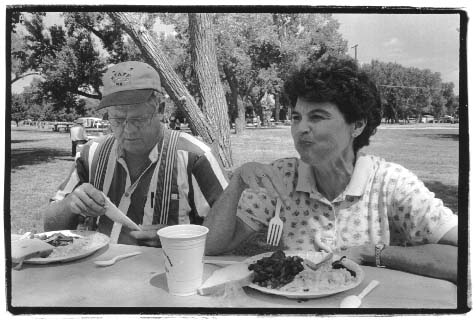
x: 333, y: 176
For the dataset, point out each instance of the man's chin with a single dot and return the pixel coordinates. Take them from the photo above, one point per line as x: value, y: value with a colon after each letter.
x: 133, y: 148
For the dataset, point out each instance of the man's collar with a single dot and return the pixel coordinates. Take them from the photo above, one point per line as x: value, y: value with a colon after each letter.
x: 356, y: 187
x: 153, y: 154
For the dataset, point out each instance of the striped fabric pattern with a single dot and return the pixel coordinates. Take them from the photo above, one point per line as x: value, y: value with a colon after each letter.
x: 197, y: 180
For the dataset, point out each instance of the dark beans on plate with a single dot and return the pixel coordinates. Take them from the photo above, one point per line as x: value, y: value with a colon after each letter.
x: 276, y: 270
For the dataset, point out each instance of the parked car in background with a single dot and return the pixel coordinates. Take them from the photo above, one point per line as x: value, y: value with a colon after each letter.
x: 427, y: 119
x: 447, y: 119
x: 91, y: 122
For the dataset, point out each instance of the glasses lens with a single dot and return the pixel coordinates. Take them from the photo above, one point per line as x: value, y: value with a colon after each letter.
x: 116, y: 122
x: 135, y: 122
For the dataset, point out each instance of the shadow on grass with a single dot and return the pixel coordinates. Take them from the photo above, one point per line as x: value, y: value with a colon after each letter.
x: 443, y: 136
x: 31, y: 156
x: 18, y: 141
x: 447, y: 193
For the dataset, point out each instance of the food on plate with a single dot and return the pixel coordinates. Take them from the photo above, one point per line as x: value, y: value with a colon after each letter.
x: 277, y: 270
x: 314, y: 259
x: 66, y: 243
x: 326, y: 277
x: 237, y: 274
x: 318, y: 274
x: 78, y: 245
x: 57, y: 239
x: 339, y: 264
x: 28, y: 248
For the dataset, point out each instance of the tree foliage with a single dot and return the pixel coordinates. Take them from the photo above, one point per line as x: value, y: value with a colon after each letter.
x: 255, y: 50
x: 411, y: 92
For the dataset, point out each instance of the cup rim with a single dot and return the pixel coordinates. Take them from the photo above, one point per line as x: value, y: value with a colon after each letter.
x: 163, y: 231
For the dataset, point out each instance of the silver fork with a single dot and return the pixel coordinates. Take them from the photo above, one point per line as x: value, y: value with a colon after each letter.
x: 275, y: 227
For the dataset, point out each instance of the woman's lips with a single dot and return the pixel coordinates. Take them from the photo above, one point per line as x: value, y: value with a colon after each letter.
x: 305, y: 142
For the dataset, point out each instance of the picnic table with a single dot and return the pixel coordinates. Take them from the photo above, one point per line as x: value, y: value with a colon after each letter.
x: 140, y: 282
x: 61, y: 125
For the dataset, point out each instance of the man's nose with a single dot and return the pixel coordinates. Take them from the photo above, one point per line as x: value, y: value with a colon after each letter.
x: 128, y: 127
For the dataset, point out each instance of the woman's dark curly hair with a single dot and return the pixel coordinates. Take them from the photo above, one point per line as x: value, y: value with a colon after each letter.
x: 339, y: 81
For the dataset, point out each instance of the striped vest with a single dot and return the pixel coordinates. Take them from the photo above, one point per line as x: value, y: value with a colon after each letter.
x: 164, y: 195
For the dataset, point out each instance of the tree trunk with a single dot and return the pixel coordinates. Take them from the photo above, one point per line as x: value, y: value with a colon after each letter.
x: 240, y: 122
x: 205, y: 66
x: 170, y: 81
x: 276, y: 107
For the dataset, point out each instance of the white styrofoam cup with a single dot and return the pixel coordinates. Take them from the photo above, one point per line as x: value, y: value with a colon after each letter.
x: 183, y: 249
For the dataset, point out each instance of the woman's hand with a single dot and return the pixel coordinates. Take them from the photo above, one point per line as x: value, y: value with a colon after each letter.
x: 256, y: 176
x: 148, y: 236
x: 86, y: 200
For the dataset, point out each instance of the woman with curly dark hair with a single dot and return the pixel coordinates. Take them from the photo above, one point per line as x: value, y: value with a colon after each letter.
x: 335, y: 197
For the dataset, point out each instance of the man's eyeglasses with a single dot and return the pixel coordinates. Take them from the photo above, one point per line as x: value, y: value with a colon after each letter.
x: 134, y: 121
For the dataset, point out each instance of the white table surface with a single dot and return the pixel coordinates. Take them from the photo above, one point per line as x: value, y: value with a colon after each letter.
x: 140, y: 282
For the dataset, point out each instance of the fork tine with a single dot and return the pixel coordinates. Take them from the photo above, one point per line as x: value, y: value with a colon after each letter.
x: 270, y: 233
x: 277, y: 235
x: 275, y: 226
x: 273, y: 234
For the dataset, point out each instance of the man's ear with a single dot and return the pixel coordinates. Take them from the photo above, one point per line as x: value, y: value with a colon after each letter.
x: 359, y: 127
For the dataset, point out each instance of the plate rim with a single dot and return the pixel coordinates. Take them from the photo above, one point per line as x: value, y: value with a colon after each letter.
x: 303, y: 294
x: 73, y: 257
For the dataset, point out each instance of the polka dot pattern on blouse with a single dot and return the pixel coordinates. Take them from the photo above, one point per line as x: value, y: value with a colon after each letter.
x: 383, y: 202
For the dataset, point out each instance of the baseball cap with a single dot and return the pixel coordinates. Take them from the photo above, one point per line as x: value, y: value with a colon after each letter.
x: 128, y: 83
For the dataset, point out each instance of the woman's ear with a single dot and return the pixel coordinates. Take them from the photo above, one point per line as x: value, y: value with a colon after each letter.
x: 359, y: 127
x: 161, y: 107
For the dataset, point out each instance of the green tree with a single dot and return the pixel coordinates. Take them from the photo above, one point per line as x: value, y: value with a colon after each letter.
x: 255, y: 50
x: 19, y: 108
x: 409, y: 91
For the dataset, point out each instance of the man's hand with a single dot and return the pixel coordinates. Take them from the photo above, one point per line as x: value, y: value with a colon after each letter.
x: 148, y: 236
x: 256, y: 175
x: 361, y: 254
x: 86, y: 200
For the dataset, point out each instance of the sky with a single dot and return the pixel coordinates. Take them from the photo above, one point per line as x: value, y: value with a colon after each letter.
x: 412, y: 40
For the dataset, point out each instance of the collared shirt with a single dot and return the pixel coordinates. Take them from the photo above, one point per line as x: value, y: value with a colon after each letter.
x: 199, y: 178
x: 78, y: 132
x: 383, y: 202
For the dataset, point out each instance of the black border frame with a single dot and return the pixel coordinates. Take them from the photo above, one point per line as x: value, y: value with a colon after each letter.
x: 463, y: 304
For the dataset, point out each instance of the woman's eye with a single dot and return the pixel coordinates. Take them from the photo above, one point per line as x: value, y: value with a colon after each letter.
x: 295, y: 118
x: 316, y: 117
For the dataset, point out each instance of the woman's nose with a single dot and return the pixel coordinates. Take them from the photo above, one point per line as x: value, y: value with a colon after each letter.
x: 303, y: 126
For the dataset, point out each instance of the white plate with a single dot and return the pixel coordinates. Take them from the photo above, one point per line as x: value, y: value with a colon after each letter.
x: 308, y: 294
x: 93, y: 242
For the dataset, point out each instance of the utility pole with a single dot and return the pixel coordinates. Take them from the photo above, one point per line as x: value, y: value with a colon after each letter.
x: 355, y: 54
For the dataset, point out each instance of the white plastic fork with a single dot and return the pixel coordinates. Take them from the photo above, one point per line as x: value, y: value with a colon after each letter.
x: 275, y: 228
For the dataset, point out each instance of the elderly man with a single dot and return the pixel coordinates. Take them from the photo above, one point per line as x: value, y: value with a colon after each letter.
x: 157, y: 176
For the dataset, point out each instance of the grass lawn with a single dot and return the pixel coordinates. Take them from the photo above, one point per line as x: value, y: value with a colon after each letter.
x: 40, y: 161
